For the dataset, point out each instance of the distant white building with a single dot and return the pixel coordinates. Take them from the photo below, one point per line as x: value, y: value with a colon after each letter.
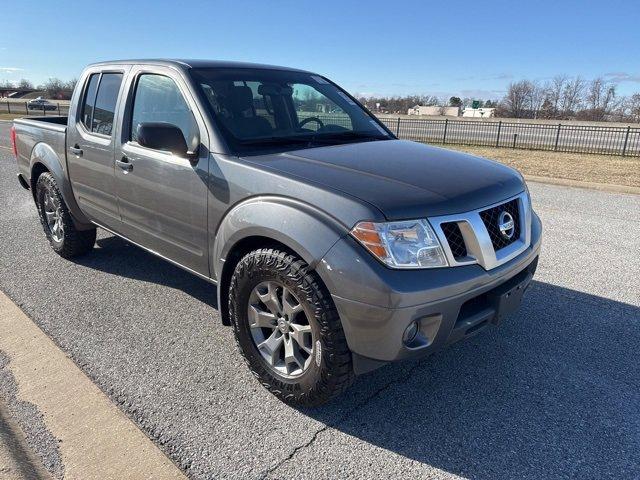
x: 434, y: 110
x: 479, y: 112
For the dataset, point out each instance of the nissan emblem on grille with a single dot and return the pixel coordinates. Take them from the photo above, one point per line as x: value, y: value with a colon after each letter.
x: 506, y: 225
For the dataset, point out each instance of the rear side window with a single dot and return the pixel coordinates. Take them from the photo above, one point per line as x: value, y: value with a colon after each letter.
x: 158, y: 99
x: 90, y: 100
x: 100, y: 102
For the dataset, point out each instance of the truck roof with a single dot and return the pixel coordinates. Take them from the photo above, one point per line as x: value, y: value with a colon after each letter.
x: 194, y: 63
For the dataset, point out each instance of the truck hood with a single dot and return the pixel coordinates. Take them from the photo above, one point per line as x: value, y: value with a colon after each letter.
x: 402, y: 179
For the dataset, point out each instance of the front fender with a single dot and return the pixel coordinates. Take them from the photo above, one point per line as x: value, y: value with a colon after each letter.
x: 45, y: 155
x: 304, y: 229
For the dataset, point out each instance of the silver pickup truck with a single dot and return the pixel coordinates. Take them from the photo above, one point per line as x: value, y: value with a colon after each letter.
x: 335, y: 247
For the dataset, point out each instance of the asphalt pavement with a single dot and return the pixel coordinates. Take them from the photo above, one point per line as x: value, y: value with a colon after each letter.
x: 554, y: 392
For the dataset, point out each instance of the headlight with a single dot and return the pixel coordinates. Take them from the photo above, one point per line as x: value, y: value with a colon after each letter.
x: 406, y: 244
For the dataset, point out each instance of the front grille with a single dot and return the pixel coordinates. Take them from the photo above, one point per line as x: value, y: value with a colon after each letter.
x: 454, y: 238
x: 491, y: 217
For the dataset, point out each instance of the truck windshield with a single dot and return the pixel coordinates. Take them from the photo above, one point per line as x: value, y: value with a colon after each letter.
x: 258, y: 109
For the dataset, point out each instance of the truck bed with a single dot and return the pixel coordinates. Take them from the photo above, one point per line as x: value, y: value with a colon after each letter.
x: 51, y: 120
x: 46, y: 134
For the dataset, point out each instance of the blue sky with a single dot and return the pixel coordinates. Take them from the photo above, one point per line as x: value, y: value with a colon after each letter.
x: 370, y: 47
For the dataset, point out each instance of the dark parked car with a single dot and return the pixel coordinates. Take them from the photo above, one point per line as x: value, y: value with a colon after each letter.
x: 335, y: 247
x: 41, y: 104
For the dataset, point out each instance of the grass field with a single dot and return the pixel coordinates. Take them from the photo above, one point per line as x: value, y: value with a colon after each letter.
x: 608, y: 169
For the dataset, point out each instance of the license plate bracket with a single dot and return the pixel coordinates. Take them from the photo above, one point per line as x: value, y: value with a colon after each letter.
x: 508, y: 301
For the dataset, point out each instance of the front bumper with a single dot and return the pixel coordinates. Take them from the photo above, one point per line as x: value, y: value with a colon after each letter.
x: 376, y: 304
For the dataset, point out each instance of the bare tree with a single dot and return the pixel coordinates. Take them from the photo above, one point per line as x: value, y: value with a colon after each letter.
x: 554, y: 92
x: 633, y: 107
x: 571, y: 96
x: 537, y: 96
x: 24, y: 83
x: 600, y: 99
x: 516, y: 102
x: 70, y: 85
x: 627, y: 109
x: 53, y: 88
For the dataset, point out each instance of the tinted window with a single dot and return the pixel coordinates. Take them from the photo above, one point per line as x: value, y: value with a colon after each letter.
x: 89, y: 100
x: 310, y: 104
x: 106, y: 103
x: 268, y: 109
x: 158, y: 99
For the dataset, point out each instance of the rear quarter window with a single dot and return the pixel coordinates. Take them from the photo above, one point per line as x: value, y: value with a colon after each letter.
x: 89, y: 100
x: 99, y: 106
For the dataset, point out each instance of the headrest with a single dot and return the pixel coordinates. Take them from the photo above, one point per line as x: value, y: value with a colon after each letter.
x: 274, y: 89
x: 240, y: 98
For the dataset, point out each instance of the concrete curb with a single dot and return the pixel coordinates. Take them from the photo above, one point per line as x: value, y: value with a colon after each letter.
x: 96, y: 440
x: 605, y: 187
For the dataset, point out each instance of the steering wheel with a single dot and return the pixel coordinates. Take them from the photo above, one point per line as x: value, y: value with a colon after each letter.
x: 311, y: 119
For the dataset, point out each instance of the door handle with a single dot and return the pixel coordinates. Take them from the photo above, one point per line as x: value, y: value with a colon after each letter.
x: 76, y: 150
x: 124, y: 164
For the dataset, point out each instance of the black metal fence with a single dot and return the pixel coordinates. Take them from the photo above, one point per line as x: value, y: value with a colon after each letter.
x: 27, y: 108
x: 607, y: 140
x: 570, y: 138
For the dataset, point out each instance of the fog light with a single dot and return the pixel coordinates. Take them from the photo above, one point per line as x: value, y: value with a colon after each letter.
x: 410, y: 333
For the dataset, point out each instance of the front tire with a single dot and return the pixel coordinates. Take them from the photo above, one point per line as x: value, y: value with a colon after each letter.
x: 64, y: 238
x: 287, y: 328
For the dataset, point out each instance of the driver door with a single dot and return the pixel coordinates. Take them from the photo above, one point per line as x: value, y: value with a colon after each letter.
x: 162, y: 198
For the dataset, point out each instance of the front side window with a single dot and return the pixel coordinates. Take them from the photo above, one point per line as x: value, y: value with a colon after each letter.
x: 99, y: 106
x: 158, y: 99
x: 259, y: 109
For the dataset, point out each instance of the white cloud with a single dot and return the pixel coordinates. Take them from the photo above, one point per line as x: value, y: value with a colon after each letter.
x: 618, y: 77
x: 10, y: 70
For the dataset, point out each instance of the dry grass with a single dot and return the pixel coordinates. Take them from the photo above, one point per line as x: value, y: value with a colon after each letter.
x: 613, y: 170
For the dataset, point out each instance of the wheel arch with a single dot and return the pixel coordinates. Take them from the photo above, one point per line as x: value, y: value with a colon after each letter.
x: 280, y: 223
x: 45, y: 159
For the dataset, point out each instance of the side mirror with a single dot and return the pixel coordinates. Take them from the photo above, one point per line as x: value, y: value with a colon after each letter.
x: 164, y: 136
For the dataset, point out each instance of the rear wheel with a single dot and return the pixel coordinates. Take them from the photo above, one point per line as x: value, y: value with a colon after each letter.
x: 288, y: 329
x: 65, y: 239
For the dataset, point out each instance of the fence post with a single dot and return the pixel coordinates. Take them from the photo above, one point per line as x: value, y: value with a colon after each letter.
x: 398, y: 128
x: 444, y: 137
x: 44, y: 110
x: 498, y: 137
x: 8, y: 106
x: 26, y: 108
x: 515, y: 138
x: 555, y: 149
x: 626, y: 140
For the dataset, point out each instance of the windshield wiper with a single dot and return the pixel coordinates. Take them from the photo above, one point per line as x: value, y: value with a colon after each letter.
x: 348, y: 135
x: 275, y: 140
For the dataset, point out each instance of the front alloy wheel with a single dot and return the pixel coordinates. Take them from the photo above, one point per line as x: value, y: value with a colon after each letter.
x: 280, y: 328
x: 287, y: 328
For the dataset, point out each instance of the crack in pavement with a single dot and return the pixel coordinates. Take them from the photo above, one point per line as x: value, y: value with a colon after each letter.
x: 404, y: 378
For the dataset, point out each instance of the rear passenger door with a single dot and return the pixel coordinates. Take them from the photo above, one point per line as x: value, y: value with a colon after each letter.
x: 90, y: 145
x: 162, y: 197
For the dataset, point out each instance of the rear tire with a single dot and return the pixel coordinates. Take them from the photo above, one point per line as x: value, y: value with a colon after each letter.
x: 323, y: 367
x: 64, y: 238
